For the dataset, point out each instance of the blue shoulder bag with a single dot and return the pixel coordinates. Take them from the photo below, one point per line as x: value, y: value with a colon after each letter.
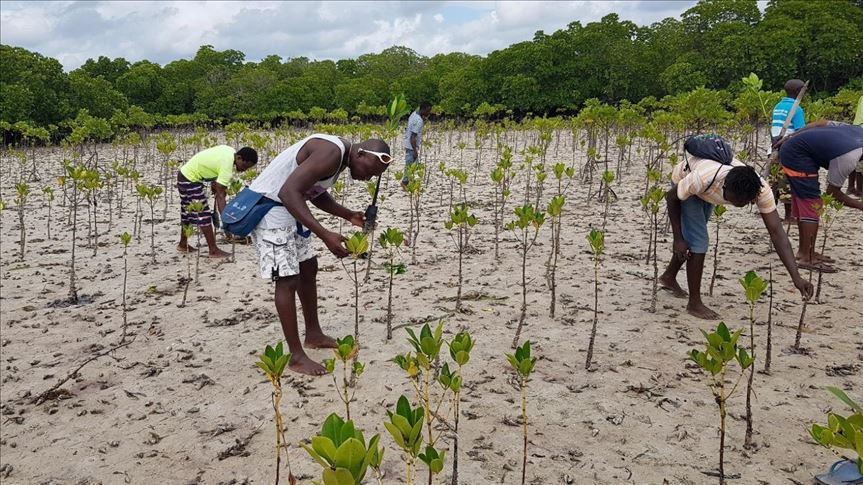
x: 244, y: 212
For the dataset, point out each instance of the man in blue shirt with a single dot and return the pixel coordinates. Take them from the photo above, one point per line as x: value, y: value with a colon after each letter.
x: 413, y: 136
x: 780, y: 114
x: 780, y: 111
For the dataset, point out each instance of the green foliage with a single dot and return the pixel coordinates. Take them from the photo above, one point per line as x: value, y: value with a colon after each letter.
x: 391, y: 237
x: 460, y: 347
x: 125, y: 239
x: 522, y: 362
x: 753, y: 285
x: 405, y: 426
x: 459, y: 216
x: 343, y: 453
x: 527, y: 216
x: 427, y: 344
x: 358, y: 244
x: 720, y: 350
x: 843, y: 432
x: 433, y: 459
x: 596, y: 240
x: 273, y: 361
x: 719, y: 211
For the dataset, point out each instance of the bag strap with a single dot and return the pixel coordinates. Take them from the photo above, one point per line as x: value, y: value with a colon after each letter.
x: 714, y: 176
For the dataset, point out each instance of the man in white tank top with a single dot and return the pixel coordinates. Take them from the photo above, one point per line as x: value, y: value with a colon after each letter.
x: 298, y: 175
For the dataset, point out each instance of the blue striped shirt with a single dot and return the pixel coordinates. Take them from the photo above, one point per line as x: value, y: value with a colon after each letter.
x: 780, y: 114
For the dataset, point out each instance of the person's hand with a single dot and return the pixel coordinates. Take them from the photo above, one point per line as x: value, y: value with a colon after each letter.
x: 357, y: 218
x: 680, y: 248
x: 335, y: 243
x: 804, y: 287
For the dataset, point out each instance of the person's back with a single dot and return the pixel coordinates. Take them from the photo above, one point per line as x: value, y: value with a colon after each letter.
x: 213, y: 164
x: 823, y: 143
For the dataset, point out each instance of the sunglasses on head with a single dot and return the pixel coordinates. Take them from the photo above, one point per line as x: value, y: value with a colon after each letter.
x: 385, y: 158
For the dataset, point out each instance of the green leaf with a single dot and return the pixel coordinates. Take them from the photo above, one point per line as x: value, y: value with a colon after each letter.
x: 351, y: 455
x: 339, y: 476
x: 325, y: 448
x: 840, y: 394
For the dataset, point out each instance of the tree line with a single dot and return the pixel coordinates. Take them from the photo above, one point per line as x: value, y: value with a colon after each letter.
x: 712, y: 45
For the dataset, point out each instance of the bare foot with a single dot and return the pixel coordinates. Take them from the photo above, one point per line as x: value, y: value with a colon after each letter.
x: 218, y: 253
x: 701, y: 311
x: 304, y: 365
x: 319, y: 341
x: 815, y: 259
x: 186, y: 249
x: 671, y: 285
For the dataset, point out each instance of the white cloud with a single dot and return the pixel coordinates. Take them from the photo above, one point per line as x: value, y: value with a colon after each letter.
x: 168, y: 30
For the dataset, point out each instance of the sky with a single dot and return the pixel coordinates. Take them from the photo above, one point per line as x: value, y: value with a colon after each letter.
x: 163, y: 31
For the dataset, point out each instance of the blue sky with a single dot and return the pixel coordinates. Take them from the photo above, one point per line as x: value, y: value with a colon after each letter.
x: 165, y: 30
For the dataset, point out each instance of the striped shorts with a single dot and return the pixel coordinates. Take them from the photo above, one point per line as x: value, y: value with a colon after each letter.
x: 193, y: 192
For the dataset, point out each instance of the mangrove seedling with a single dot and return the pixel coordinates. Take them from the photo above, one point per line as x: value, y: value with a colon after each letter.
x: 842, y: 432
x: 607, y: 194
x: 343, y: 453
x: 391, y: 241
x: 596, y: 239
x: 523, y: 363
x: 459, y: 350
x: 827, y: 211
x: 405, y: 426
x: 125, y: 239
x: 273, y: 362
x: 433, y: 459
x: 188, y: 231
x: 346, y: 350
x: 718, y: 212
x: 22, y: 190
x: 501, y: 177
x: 720, y: 351
x: 357, y: 246
x: 555, y: 212
x: 150, y: 193
x: 49, y: 197
x: 195, y: 208
x: 462, y: 221
x: 653, y: 201
x: 526, y: 228
x: 754, y: 287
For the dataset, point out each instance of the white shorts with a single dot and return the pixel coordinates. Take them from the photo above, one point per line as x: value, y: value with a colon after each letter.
x: 280, y: 251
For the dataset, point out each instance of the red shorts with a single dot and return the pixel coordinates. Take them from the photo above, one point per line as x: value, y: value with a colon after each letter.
x: 805, y: 210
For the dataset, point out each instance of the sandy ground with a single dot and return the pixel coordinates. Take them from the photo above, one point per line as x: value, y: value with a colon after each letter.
x: 185, y: 404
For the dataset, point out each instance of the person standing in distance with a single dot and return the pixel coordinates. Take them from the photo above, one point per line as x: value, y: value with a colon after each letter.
x: 413, y: 136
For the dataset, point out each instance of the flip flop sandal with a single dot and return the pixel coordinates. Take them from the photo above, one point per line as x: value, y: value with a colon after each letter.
x: 823, y: 267
x: 843, y: 472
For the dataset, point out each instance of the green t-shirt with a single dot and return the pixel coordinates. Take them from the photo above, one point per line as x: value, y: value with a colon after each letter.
x: 216, y: 163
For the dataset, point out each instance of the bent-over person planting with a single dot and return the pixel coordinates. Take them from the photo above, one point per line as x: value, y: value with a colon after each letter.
x: 698, y: 185
x: 217, y: 165
x: 298, y: 175
x: 837, y: 147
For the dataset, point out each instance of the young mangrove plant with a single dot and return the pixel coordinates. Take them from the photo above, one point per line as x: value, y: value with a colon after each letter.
x: 343, y: 453
x: 718, y: 212
x: 150, y: 193
x: 272, y: 362
x: 768, y: 353
x: 523, y: 363
x: 461, y: 221
x: 357, y: 246
x: 346, y: 350
x: 405, y: 426
x: 720, y: 351
x: 842, y: 432
x: 827, y: 211
x: 754, y: 287
x: 501, y: 177
x: 76, y: 173
x: 49, y: 198
x: 653, y: 201
x: 125, y: 239
x: 606, y: 194
x: 415, y: 174
x: 195, y: 208
x: 391, y: 241
x: 596, y: 240
x: 22, y: 190
x: 459, y: 350
x: 526, y: 228
x: 188, y: 231
x: 434, y: 460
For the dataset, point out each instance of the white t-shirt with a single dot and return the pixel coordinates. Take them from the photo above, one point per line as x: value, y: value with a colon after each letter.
x: 415, y: 125
x: 271, y: 180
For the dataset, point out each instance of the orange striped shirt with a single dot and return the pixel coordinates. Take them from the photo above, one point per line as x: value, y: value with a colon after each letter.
x: 694, y: 182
